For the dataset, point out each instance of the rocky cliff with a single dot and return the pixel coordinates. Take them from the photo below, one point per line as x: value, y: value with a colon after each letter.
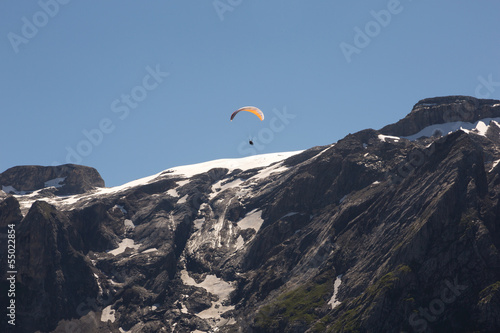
x: 374, y: 233
x: 441, y: 110
x: 65, y: 179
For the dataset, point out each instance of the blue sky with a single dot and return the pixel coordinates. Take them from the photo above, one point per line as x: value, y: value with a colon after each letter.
x: 134, y: 87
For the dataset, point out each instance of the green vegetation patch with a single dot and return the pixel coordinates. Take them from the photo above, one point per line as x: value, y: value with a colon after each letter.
x: 386, y: 282
x: 487, y: 293
x: 350, y: 320
x: 299, y: 304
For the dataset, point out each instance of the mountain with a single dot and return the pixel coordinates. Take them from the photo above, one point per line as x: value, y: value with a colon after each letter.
x: 65, y: 179
x: 391, y: 230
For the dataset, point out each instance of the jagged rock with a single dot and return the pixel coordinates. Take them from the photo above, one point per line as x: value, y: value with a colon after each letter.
x: 68, y: 178
x: 10, y: 217
x: 439, y: 110
x: 10, y: 212
x: 53, y: 279
x: 368, y: 234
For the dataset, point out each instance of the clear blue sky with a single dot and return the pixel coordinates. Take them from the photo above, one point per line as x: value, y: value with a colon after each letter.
x: 75, y: 67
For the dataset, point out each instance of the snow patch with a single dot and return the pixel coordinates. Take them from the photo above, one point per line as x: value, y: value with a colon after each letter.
x: 240, y: 242
x: 198, y: 223
x: 494, y: 165
x: 218, y: 187
x: 383, y: 138
x: 121, y: 208
x: 183, y: 182
x: 478, y: 127
x: 323, y: 151
x: 129, y: 225
x: 278, y: 168
x: 134, y: 183
x: 252, y: 220
x: 108, y: 314
x: 481, y: 128
x: 124, y: 244
x: 244, y: 163
x: 184, y: 309
x: 215, y: 286
x: 98, y: 283
x: 56, y: 182
x: 333, y: 301
x: 173, y: 192
x: 183, y: 199
x: 11, y: 189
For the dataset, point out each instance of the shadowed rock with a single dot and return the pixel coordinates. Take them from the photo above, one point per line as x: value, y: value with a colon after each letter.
x: 68, y: 178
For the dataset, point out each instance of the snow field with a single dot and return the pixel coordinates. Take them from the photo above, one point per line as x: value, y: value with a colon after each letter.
x: 479, y: 127
x: 215, y: 286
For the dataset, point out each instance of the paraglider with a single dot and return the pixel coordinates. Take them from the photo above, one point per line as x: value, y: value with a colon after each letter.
x: 252, y: 109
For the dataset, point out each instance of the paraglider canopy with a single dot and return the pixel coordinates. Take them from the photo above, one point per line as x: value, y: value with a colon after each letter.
x: 252, y: 109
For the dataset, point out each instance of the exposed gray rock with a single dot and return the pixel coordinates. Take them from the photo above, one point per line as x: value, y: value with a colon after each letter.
x: 52, y: 277
x: 439, y: 110
x: 68, y: 178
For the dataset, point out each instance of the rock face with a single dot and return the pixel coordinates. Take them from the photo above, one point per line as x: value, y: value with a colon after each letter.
x: 67, y: 179
x: 52, y: 276
x: 439, y: 110
x: 370, y: 234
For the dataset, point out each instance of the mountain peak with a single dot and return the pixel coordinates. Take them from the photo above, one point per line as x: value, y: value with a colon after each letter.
x: 453, y: 99
x: 442, y: 110
x: 66, y: 179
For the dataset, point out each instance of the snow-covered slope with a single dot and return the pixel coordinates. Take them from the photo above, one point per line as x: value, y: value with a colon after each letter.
x: 184, y: 172
x: 478, y: 127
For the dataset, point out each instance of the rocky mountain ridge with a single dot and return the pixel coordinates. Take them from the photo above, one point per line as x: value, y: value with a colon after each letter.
x: 65, y: 179
x: 441, y: 110
x: 374, y: 233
